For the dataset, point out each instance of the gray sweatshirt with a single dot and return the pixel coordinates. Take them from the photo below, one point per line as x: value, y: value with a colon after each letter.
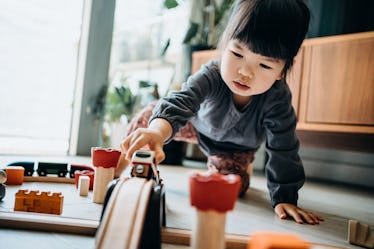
x: 207, y: 103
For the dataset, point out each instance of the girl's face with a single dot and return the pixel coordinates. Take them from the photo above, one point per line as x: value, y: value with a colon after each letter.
x: 246, y: 73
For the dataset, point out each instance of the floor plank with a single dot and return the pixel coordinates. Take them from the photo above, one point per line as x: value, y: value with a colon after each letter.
x: 337, y: 203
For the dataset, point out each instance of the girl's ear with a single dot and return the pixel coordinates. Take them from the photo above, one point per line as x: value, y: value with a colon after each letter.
x: 285, y: 72
x: 281, y: 74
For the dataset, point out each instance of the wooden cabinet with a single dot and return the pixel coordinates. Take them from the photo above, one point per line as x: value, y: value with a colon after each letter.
x: 336, y: 86
x: 332, y: 83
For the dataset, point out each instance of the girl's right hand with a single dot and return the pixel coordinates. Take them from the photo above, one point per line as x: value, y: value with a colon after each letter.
x: 144, y: 138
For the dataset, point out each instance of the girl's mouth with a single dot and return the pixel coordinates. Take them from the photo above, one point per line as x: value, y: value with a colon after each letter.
x: 240, y: 86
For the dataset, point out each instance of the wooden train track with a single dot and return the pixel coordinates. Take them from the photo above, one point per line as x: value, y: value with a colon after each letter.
x: 122, y: 223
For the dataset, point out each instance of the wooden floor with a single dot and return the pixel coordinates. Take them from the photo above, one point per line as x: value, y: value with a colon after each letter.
x: 252, y: 213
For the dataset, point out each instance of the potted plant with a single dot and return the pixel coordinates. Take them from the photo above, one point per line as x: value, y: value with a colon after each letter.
x: 121, y: 105
x: 207, y: 21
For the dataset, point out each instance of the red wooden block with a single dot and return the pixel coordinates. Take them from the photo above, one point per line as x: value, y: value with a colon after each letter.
x: 106, y: 158
x: 14, y: 175
x: 213, y: 191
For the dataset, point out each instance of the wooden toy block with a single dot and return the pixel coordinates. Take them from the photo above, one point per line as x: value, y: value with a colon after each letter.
x: 89, y: 173
x: 273, y: 240
x: 83, y: 185
x: 105, y: 161
x: 213, y: 195
x: 15, y: 175
x: 39, y: 202
x: 360, y: 234
x: 106, y: 158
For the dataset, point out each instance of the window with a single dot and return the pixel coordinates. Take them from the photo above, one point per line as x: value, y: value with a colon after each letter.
x: 38, y: 48
x: 142, y: 32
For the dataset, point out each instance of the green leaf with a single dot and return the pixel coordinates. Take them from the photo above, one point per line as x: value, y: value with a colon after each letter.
x: 144, y: 84
x: 169, y: 4
x: 191, y: 32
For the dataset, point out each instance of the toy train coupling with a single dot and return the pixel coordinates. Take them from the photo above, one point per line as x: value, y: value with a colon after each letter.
x: 135, y: 207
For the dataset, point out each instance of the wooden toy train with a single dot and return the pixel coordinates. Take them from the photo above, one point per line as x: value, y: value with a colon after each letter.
x: 135, y: 207
x: 49, y: 168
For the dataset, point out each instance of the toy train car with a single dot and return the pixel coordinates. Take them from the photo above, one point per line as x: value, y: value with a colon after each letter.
x: 48, y: 168
x: 45, y: 168
x: 28, y: 166
x: 144, y: 165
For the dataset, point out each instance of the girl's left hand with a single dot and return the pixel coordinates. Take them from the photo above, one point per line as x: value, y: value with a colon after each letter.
x: 285, y: 210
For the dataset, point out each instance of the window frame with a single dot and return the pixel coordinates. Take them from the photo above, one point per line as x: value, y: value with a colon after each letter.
x: 92, y: 74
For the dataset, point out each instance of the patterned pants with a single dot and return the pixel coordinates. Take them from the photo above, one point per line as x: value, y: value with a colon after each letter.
x: 238, y: 163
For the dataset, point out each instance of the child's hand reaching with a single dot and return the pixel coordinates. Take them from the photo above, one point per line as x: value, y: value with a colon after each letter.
x: 143, y: 138
x: 284, y: 210
x: 151, y: 138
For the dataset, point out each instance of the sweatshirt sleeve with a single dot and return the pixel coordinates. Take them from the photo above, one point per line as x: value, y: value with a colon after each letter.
x: 181, y: 105
x: 284, y: 169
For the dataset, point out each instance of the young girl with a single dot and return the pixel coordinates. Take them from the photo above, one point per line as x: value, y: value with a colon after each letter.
x: 230, y: 106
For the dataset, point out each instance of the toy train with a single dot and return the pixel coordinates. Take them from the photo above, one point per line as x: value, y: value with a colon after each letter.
x: 48, y: 168
x: 143, y: 165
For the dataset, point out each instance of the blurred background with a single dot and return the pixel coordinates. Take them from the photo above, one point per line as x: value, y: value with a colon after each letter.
x: 73, y: 73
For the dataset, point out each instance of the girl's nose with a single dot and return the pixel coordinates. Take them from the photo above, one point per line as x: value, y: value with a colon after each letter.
x: 246, y: 72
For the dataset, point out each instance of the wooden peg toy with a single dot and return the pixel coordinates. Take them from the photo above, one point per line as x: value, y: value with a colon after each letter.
x: 83, y: 185
x: 360, y: 234
x: 105, y: 161
x: 15, y: 175
x: 213, y: 195
x: 89, y: 173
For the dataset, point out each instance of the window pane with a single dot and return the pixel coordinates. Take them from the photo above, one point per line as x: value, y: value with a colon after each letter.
x: 38, y: 48
x: 141, y: 31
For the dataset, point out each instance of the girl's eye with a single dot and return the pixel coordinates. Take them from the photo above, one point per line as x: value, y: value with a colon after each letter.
x: 237, y: 55
x: 265, y: 66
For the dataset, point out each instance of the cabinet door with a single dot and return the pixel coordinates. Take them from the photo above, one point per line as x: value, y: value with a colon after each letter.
x: 341, y: 83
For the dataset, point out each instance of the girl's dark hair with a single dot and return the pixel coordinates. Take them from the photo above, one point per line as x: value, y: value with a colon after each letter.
x: 272, y: 28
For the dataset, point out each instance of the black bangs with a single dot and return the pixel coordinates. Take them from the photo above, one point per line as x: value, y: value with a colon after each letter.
x: 274, y: 28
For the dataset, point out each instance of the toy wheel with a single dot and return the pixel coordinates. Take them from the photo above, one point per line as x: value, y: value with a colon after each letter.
x: 42, y: 173
x: 61, y: 174
x: 2, y: 191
